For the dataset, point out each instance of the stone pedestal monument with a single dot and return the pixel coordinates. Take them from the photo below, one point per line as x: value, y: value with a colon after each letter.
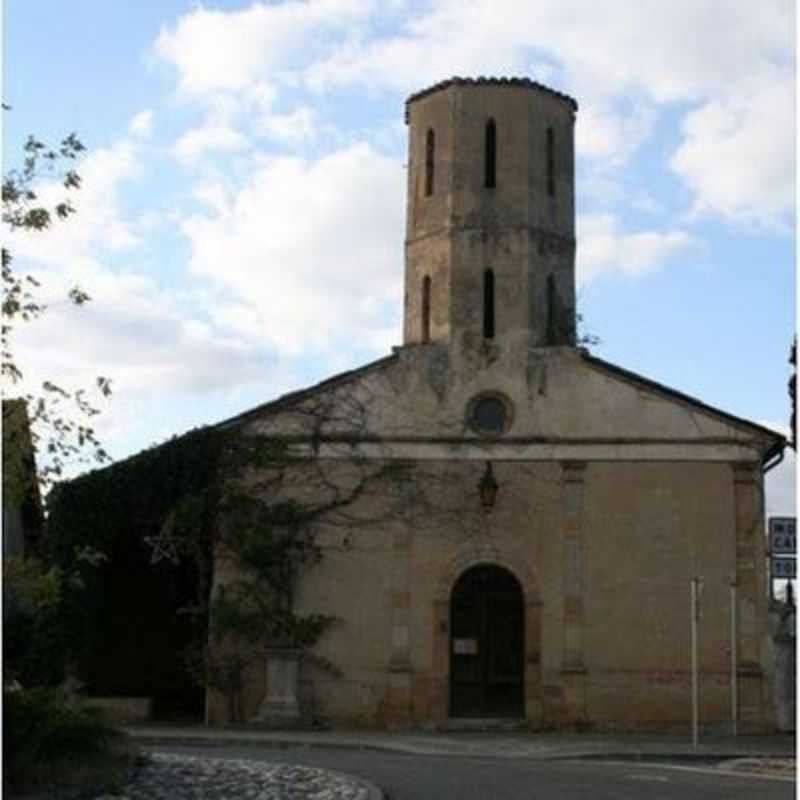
x: 281, y: 704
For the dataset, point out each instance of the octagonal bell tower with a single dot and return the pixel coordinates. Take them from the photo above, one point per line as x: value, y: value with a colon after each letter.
x: 490, y: 240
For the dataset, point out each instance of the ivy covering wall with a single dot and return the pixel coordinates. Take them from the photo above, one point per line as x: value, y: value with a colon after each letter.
x: 153, y: 516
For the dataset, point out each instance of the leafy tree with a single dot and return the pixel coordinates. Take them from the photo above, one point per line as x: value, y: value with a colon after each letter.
x: 51, y: 422
x: 46, y: 735
x: 585, y: 338
x: 60, y: 420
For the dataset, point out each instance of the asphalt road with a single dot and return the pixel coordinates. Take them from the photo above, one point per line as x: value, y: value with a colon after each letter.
x: 413, y: 777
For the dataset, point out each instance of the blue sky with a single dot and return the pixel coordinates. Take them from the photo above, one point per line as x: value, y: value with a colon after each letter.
x: 241, y: 223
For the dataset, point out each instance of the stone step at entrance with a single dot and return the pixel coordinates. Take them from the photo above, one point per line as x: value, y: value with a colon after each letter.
x: 493, y: 724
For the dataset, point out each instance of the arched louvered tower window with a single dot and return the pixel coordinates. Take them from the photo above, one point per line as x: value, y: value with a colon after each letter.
x: 490, y: 158
x: 426, y: 308
x: 551, y: 167
x: 488, y: 304
x: 430, y: 147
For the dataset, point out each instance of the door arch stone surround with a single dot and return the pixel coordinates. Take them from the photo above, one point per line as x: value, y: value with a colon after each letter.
x: 487, y: 555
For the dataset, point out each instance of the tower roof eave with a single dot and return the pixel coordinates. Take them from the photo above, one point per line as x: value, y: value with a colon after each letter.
x: 523, y: 83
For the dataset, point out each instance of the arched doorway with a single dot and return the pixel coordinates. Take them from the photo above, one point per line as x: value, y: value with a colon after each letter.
x: 487, y: 644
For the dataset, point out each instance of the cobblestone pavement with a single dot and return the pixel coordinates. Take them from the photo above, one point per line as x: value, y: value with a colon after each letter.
x: 404, y: 776
x: 183, y: 777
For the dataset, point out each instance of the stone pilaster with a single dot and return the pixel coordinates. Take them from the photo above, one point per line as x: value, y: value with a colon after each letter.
x: 574, y: 671
x: 534, y: 708
x: 751, y: 590
x: 399, y: 690
x: 440, y: 685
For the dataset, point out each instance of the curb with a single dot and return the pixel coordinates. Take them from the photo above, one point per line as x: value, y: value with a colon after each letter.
x: 276, y: 744
x: 759, y: 774
x: 662, y: 757
x: 155, y: 740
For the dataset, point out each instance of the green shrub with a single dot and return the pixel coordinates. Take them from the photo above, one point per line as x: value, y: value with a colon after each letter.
x: 48, y: 741
x: 35, y: 642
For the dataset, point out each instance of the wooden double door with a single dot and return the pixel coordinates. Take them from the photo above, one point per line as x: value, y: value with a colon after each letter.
x: 487, y: 643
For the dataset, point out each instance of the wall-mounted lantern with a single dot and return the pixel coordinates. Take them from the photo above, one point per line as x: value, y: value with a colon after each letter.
x: 487, y: 487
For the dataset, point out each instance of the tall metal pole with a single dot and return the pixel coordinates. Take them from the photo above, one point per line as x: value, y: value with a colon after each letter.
x: 695, y: 688
x: 734, y: 660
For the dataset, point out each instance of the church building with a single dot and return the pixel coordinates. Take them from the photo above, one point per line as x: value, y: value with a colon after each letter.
x: 524, y: 520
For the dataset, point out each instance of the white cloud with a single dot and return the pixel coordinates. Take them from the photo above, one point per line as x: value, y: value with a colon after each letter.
x: 208, y: 139
x: 310, y: 251
x: 214, y: 194
x: 232, y: 51
x: 782, y: 487
x: 454, y: 38
x: 733, y: 64
x: 603, y: 248
x: 133, y: 331
x: 152, y: 342
x: 610, y: 136
x: 142, y: 124
x: 781, y: 481
x: 738, y: 154
x: 297, y: 126
x: 155, y: 357
x: 672, y: 51
x: 97, y: 223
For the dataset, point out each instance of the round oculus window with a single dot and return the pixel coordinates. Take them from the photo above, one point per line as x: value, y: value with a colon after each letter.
x: 489, y: 414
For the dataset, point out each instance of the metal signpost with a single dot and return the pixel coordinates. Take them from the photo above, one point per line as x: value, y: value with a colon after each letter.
x: 734, y: 660
x: 697, y: 585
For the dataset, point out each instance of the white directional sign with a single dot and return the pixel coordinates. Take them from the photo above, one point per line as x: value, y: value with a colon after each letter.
x: 782, y: 536
x: 783, y: 548
x: 784, y: 567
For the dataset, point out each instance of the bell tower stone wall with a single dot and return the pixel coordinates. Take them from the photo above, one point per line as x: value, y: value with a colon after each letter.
x: 490, y: 214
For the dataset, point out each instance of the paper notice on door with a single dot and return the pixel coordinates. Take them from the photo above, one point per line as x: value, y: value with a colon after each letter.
x: 465, y: 647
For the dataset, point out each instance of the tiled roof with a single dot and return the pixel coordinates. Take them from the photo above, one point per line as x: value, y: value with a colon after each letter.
x: 524, y: 83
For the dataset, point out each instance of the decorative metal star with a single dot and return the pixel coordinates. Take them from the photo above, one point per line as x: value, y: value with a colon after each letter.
x: 165, y: 545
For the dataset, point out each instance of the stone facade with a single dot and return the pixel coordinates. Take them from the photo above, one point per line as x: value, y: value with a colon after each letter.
x: 612, y: 491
